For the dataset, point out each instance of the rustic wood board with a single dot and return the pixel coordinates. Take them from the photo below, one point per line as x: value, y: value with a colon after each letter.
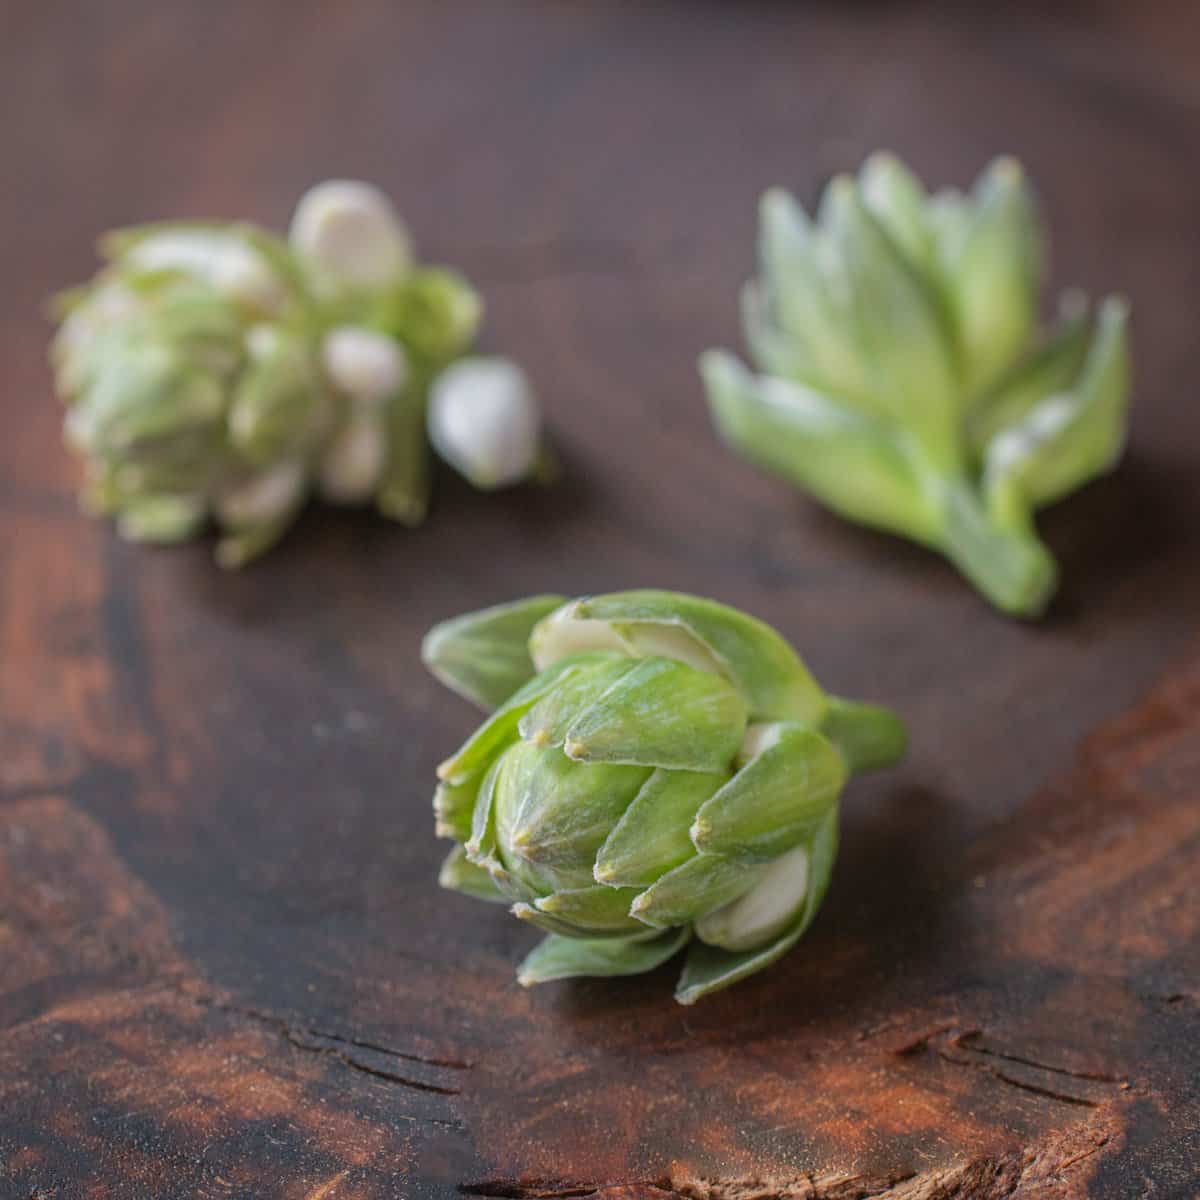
x: 224, y: 970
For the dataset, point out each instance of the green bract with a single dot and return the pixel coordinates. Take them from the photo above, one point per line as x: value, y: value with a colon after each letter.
x: 656, y: 769
x: 219, y: 373
x: 904, y: 380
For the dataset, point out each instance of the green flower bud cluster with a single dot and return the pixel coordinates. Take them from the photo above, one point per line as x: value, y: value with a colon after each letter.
x: 219, y: 373
x: 657, y: 770
x: 904, y: 380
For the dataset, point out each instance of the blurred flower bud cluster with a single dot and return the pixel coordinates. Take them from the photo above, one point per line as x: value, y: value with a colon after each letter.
x: 221, y: 374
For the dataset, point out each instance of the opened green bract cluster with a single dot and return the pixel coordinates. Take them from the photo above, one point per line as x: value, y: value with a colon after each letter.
x: 904, y: 379
x: 218, y: 372
x: 657, y: 769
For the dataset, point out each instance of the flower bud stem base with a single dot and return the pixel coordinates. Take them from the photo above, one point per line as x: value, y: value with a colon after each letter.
x: 1009, y: 565
x: 867, y: 737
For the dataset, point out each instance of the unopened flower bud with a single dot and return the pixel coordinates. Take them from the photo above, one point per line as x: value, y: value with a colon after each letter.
x: 353, y: 463
x: 350, y: 235
x: 485, y: 422
x: 364, y: 364
x: 628, y: 797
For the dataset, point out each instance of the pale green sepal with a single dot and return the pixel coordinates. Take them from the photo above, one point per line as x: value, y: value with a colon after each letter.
x: 995, y: 276
x: 552, y: 815
x: 852, y: 463
x: 484, y: 656
x: 481, y: 846
x: 1052, y: 367
x: 453, y: 806
x: 164, y: 520
x: 701, y: 884
x: 709, y: 969
x: 567, y: 958
x: 776, y: 801
x: 1007, y: 563
x: 867, y: 736
x: 549, y: 923
x: 501, y: 727
x: 810, y: 296
x: 1069, y: 438
x: 597, y: 908
x: 459, y: 874
x: 905, y: 335
x: 481, y: 849
x: 239, y: 547
x: 651, y: 837
x: 276, y: 403
x: 749, y: 653
x: 897, y: 200
x: 775, y: 352
x: 662, y: 713
x: 513, y: 887
x: 547, y: 722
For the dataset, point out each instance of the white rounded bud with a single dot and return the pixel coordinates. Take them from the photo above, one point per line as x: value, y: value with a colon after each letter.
x: 351, y: 235
x: 261, y: 341
x: 364, y: 364
x: 765, y: 911
x: 353, y: 463
x: 485, y: 422
x: 263, y: 497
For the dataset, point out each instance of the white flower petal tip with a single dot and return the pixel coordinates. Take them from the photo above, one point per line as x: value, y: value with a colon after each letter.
x: 224, y: 260
x: 485, y: 421
x: 364, y: 364
x: 352, y: 466
x: 262, y: 498
x: 351, y: 235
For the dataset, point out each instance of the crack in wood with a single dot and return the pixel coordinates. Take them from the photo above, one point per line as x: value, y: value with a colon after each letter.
x: 316, y: 1044
x: 959, y: 1046
x: 290, y: 1030
x: 1038, y: 1090
x: 970, y: 1041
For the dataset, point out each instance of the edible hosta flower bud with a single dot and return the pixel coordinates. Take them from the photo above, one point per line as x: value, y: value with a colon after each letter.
x: 350, y: 236
x: 657, y: 769
x: 353, y: 462
x: 435, y: 312
x: 903, y: 380
x: 485, y: 422
x: 364, y: 364
x: 218, y: 372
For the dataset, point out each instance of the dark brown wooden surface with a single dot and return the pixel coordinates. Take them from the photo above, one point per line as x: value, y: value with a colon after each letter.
x: 224, y: 968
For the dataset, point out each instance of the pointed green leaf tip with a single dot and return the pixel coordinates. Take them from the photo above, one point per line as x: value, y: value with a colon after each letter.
x: 903, y: 380
x: 703, y: 634
x: 567, y: 957
x: 484, y: 656
x: 672, y: 772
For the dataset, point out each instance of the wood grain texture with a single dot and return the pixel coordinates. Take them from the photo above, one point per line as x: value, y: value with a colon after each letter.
x: 224, y: 968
